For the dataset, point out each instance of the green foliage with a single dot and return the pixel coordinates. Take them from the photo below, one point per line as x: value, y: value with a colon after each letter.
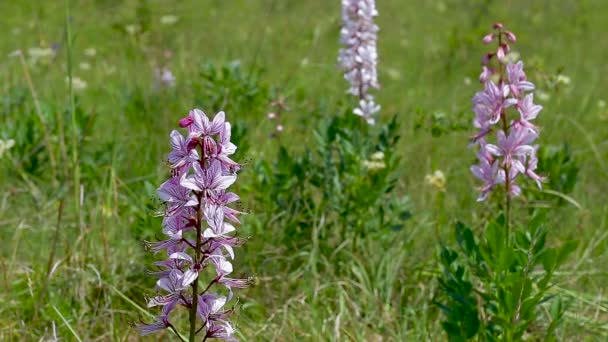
x: 438, y: 123
x: 560, y: 167
x: 230, y: 88
x: 496, y: 287
x: 348, y: 176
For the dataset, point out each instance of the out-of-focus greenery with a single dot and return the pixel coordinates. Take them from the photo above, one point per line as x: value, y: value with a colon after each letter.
x: 339, y: 252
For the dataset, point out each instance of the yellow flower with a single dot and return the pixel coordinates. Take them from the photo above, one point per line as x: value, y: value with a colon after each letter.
x: 437, y: 180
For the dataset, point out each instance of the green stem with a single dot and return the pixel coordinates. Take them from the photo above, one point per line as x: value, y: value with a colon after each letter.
x: 197, y: 252
x: 75, y: 163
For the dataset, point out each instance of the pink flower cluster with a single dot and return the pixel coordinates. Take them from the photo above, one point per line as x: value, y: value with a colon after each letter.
x: 506, y: 89
x: 198, y: 225
x: 359, y: 56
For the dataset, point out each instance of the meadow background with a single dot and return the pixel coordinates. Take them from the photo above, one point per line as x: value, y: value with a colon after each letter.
x: 84, y: 273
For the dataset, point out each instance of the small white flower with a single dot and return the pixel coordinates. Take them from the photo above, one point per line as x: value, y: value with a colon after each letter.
x: 164, y: 77
x: 542, y: 95
x: 37, y: 52
x: 15, y: 53
x: 563, y: 79
x: 168, y: 19
x: 90, y: 52
x: 374, y: 165
x: 132, y: 29
x: 84, y: 66
x: 77, y: 83
x: 6, y: 145
x: 378, y: 156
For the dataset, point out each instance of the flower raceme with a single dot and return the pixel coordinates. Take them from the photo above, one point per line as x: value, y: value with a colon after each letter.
x: 359, y: 57
x: 196, y: 201
x: 506, y: 92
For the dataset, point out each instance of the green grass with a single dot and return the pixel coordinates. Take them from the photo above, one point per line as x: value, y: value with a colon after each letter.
x: 92, y: 284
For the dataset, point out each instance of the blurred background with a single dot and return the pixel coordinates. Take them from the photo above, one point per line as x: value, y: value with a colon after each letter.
x: 78, y: 173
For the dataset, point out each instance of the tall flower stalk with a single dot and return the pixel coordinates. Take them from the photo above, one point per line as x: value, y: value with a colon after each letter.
x: 198, y: 224
x: 505, y: 108
x: 359, y: 57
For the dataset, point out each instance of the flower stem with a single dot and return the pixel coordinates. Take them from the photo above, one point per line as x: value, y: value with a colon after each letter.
x: 197, y: 252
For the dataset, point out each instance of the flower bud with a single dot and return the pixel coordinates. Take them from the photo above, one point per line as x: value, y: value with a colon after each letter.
x: 185, y: 122
x: 510, y: 36
x: 488, y: 38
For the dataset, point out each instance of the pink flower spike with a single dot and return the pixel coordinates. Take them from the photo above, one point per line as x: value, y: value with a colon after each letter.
x: 196, y: 233
x: 513, y: 154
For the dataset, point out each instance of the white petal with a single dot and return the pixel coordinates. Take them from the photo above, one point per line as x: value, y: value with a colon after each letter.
x: 209, y: 233
x: 230, y: 251
x: 189, y: 183
x: 218, y: 304
x: 180, y: 256
x: 189, y: 277
x: 223, y: 182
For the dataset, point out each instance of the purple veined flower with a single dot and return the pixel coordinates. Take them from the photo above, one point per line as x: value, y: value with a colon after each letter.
x: 490, y: 174
x: 225, y: 148
x: 514, y: 148
x: 367, y: 109
x: 214, y: 216
x: 192, y: 273
x: 210, y: 304
x: 531, y: 165
x: 175, y: 223
x: 222, y: 199
x: 176, y: 196
x: 202, y: 126
x: 222, y: 266
x: 489, y: 104
x: 169, y: 244
x: 181, y: 155
x: 218, y: 229
x: 234, y: 283
x: 198, y: 123
x: 172, y: 284
x: 161, y: 323
x: 517, y: 79
x: 210, y: 310
x: 528, y: 110
x: 222, y: 331
x: 210, y: 179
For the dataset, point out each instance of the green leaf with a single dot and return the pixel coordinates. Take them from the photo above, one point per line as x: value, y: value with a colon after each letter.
x: 564, y: 251
x: 549, y: 259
